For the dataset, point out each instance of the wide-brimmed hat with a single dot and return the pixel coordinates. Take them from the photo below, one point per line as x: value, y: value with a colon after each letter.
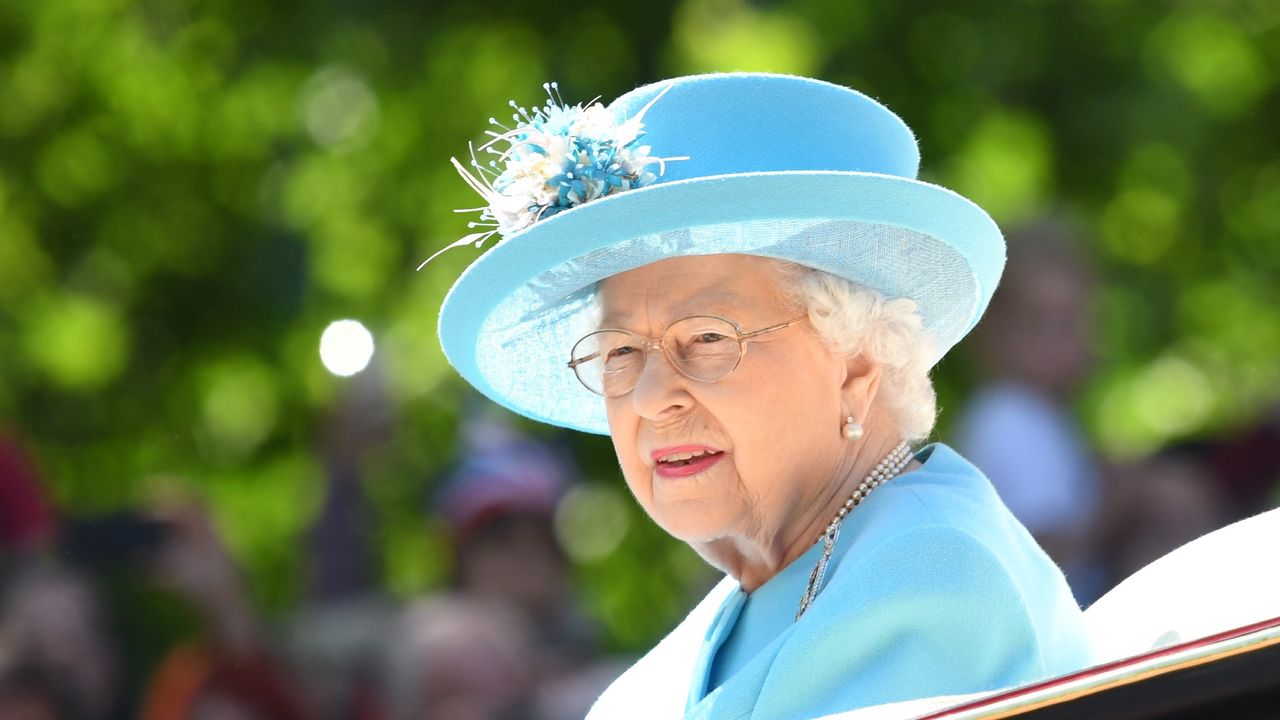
x: 759, y: 164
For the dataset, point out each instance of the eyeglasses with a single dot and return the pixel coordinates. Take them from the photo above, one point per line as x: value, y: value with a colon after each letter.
x: 703, y: 348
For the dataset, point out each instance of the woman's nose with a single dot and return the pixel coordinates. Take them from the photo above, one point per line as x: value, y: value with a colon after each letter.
x: 660, y: 389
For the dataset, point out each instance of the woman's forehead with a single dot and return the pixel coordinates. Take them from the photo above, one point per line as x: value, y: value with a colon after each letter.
x: 676, y: 287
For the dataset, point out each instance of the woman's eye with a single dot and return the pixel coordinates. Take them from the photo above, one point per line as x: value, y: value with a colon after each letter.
x: 620, y: 351
x: 709, y: 337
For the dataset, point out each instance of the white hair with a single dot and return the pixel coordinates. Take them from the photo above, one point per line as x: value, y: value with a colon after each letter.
x: 856, y: 320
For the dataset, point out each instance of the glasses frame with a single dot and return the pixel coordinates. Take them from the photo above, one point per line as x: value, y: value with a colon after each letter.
x: 650, y: 344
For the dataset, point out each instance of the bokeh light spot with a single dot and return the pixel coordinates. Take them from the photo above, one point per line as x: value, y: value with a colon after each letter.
x: 1172, y: 396
x: 77, y: 342
x: 726, y: 35
x: 1213, y: 59
x: 1140, y: 225
x: 239, y: 405
x: 346, y: 347
x: 1005, y: 165
x: 24, y: 265
x: 591, y: 521
x: 76, y: 167
x: 338, y: 108
x: 1148, y: 406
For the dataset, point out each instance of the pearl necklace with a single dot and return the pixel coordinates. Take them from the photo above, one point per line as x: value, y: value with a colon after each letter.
x: 891, y: 465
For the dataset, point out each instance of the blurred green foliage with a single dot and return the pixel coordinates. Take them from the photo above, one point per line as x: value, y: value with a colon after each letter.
x: 190, y: 191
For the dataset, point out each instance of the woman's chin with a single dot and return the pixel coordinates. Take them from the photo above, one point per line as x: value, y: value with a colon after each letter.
x: 694, y: 525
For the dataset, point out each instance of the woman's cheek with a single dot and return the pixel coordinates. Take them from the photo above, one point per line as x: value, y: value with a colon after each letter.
x: 634, y: 473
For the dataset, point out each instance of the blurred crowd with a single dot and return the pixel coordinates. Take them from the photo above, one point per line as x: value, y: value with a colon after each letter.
x: 145, y: 614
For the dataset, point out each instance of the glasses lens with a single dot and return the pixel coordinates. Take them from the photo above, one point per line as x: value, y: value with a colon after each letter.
x: 608, y: 362
x: 704, y: 348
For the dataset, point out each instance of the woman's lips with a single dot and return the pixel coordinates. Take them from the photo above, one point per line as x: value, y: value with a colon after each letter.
x: 687, y: 466
x: 685, y: 469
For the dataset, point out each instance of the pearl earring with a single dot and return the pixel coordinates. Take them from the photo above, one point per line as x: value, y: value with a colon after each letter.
x: 852, y: 429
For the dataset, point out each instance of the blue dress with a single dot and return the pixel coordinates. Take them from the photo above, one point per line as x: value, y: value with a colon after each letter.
x: 933, y: 589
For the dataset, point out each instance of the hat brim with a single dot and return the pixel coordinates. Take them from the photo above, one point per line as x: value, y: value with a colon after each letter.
x: 508, y: 323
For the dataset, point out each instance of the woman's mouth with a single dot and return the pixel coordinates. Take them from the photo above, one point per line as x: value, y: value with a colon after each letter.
x: 684, y: 461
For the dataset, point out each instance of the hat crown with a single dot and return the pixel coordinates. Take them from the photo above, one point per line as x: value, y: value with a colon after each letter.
x: 734, y: 123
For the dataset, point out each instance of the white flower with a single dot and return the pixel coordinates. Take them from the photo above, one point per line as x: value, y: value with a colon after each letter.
x: 595, y: 122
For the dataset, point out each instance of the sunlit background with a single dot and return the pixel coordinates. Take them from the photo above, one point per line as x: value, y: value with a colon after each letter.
x: 210, y: 216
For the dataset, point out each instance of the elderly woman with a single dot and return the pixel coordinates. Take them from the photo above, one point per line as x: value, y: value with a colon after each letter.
x: 738, y: 278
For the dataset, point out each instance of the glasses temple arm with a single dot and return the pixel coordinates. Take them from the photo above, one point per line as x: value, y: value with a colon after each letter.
x: 771, y: 328
x: 575, y: 362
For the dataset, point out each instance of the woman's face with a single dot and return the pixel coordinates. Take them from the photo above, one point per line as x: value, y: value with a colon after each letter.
x: 770, y: 431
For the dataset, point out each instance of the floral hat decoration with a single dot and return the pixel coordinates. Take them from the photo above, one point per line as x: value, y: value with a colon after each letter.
x: 753, y: 163
x: 557, y: 157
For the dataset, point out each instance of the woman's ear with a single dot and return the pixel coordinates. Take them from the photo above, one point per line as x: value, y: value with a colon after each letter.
x: 861, y: 382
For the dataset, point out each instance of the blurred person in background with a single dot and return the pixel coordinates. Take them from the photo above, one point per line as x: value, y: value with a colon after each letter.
x: 57, y: 650
x: 29, y: 692
x: 59, y: 655
x: 499, y: 506
x: 1035, y: 350
x: 509, y: 572
x: 453, y: 657
x: 1161, y: 502
x: 230, y: 671
x: 340, y: 556
x: 27, y: 521
x: 1247, y: 465
x: 334, y: 638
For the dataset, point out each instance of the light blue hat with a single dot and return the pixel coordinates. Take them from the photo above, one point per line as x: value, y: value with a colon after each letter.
x: 759, y: 164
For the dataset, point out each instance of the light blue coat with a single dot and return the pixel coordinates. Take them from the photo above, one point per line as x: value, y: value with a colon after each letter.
x: 934, y: 589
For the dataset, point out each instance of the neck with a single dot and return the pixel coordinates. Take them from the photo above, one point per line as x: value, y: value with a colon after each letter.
x: 753, y: 559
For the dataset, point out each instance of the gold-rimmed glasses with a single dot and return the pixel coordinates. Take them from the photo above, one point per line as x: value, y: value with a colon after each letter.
x: 703, y: 348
